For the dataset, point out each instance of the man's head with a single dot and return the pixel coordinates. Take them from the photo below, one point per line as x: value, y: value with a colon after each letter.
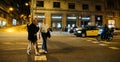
x: 35, y: 21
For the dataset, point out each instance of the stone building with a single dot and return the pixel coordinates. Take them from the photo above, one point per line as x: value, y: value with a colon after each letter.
x: 61, y: 13
x: 10, y: 12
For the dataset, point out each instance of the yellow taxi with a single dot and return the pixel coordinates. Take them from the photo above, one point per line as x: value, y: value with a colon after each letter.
x: 87, y: 31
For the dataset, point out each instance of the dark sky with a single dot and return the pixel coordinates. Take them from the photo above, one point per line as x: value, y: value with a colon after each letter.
x: 21, y: 5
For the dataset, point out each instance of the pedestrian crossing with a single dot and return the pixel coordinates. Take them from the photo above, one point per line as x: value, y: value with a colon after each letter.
x: 41, y: 57
x: 103, y: 43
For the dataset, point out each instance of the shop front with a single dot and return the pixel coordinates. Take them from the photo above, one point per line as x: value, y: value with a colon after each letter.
x: 56, y: 21
x: 98, y: 20
x: 3, y: 22
x: 71, y: 21
x: 111, y: 23
x: 40, y: 17
x: 84, y: 20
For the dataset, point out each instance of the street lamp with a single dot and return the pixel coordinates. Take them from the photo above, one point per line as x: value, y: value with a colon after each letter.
x: 26, y: 4
x: 11, y: 9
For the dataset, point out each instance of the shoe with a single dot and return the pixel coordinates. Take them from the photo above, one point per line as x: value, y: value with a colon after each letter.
x: 38, y: 54
x: 45, y: 52
x: 28, y: 53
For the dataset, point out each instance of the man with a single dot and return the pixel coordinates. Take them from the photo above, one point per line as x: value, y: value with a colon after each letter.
x: 32, y: 37
x: 44, y: 30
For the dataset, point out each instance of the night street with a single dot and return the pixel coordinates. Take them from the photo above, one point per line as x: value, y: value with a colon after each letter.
x: 62, y: 47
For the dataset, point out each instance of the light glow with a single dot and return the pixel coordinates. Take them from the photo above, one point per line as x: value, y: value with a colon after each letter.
x: 10, y: 30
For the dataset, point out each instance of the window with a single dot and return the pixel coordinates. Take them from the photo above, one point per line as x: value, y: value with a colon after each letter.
x: 85, y: 7
x: 110, y: 4
x: 71, y: 5
x: 40, y: 3
x: 56, y: 4
x: 98, y: 8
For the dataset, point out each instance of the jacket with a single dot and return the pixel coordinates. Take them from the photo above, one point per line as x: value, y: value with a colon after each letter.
x: 32, y: 30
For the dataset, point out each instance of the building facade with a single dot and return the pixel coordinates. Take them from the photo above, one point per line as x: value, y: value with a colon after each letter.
x: 70, y: 13
x: 11, y: 10
x: 8, y: 13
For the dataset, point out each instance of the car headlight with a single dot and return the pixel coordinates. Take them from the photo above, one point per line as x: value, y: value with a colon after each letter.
x: 78, y: 31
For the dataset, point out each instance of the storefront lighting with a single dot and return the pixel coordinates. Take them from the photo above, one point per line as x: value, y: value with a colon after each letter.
x: 4, y: 23
x: 41, y: 16
x: 71, y: 18
x: 56, y: 17
x: 0, y: 22
x: 80, y: 17
x: 14, y: 22
x: 98, y: 18
x: 85, y: 18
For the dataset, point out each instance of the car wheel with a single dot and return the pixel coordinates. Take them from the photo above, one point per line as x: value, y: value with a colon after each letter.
x: 83, y: 35
x: 110, y: 38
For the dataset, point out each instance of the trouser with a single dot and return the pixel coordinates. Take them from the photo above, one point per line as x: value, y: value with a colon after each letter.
x: 44, y: 44
x: 35, y: 45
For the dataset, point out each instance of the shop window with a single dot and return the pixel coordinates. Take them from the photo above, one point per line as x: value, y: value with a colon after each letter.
x: 71, y: 5
x: 98, y: 8
x: 111, y: 23
x: 98, y: 20
x: 56, y: 4
x: 85, y: 7
x: 40, y: 3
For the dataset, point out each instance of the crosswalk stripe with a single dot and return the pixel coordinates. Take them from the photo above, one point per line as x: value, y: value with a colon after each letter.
x: 114, y: 48
x: 89, y: 40
x: 40, y: 58
x: 39, y: 46
x: 39, y: 43
x: 95, y: 42
x: 103, y: 44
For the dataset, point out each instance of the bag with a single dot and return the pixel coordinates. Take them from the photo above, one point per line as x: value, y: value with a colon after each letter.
x: 48, y: 34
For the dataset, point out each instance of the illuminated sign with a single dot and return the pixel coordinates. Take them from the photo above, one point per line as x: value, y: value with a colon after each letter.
x: 71, y: 17
x: 57, y: 17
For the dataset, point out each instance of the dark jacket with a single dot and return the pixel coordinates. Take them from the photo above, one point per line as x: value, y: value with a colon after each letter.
x: 32, y: 30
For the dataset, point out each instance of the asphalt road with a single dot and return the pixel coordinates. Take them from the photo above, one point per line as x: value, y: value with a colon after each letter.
x: 62, y: 47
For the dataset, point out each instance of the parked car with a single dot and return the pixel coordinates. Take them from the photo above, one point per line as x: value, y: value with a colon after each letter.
x: 87, y: 31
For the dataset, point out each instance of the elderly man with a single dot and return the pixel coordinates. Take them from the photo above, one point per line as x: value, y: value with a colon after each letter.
x: 32, y: 36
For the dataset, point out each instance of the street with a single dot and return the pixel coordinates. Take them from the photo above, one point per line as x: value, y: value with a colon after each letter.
x: 62, y: 47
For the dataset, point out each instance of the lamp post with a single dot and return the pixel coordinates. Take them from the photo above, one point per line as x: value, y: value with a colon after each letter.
x: 10, y: 11
x: 27, y: 12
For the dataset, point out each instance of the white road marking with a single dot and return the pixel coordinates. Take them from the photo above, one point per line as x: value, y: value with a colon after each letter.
x: 39, y: 43
x: 39, y: 46
x: 114, y: 48
x: 40, y: 58
x: 95, y: 42
x: 89, y: 40
x: 103, y: 44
